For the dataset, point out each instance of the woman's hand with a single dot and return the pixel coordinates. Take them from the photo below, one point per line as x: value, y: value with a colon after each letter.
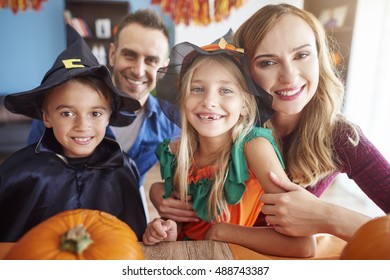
x: 160, y: 230
x: 298, y: 212
x: 171, y: 207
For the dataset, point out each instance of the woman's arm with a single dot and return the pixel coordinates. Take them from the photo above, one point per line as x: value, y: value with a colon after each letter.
x: 263, y: 240
x: 300, y: 213
x: 365, y: 165
x: 171, y: 207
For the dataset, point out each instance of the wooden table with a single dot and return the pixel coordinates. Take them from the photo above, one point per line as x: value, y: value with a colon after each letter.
x: 178, y: 250
x: 4, y: 248
x: 328, y: 247
x: 188, y: 250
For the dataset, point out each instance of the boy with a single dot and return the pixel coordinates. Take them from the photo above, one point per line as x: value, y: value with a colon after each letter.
x: 73, y: 165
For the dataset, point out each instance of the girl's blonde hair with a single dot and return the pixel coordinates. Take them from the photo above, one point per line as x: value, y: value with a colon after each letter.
x: 189, y: 142
x: 310, y: 154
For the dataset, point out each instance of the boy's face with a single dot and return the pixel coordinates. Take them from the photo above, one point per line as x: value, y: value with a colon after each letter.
x: 78, y: 115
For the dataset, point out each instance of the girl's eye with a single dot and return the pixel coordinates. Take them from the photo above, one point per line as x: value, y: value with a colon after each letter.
x: 67, y: 114
x: 226, y: 90
x: 196, y: 90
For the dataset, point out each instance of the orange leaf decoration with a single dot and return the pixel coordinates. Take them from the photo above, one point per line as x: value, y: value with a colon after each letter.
x: 21, y: 5
x: 197, y: 11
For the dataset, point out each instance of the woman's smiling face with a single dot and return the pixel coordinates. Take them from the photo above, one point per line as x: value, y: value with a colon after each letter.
x: 285, y: 64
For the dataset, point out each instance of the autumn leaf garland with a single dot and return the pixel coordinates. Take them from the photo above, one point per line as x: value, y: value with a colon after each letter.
x: 197, y: 12
x: 21, y: 5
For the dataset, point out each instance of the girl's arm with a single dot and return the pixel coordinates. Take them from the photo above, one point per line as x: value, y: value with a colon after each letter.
x: 263, y: 240
x: 300, y: 213
x: 262, y: 159
x: 160, y: 230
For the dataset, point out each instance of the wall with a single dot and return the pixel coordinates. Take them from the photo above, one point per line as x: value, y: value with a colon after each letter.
x: 32, y: 40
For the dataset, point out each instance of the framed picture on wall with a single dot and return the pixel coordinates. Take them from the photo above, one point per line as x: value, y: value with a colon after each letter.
x: 334, y: 17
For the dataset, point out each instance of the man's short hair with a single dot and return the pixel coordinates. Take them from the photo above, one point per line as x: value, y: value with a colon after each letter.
x: 147, y: 18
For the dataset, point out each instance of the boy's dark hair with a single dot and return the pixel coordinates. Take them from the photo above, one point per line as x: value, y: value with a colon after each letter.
x: 98, y: 85
x: 147, y: 18
x: 93, y: 82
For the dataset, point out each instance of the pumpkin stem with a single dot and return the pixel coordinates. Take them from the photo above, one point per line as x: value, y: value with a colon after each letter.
x: 76, y: 240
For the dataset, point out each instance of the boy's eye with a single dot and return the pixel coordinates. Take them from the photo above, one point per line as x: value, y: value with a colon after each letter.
x: 67, y: 114
x: 97, y: 114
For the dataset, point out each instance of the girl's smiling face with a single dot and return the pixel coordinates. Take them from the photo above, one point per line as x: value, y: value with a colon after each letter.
x: 215, y: 101
x: 285, y: 64
x: 78, y: 115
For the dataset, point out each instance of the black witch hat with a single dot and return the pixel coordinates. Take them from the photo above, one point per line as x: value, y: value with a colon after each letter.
x: 76, y: 60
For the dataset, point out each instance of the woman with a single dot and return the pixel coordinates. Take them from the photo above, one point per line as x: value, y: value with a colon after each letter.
x: 222, y: 159
x: 290, y: 59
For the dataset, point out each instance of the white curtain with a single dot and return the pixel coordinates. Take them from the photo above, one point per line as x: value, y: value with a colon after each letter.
x: 368, y: 85
x: 368, y: 94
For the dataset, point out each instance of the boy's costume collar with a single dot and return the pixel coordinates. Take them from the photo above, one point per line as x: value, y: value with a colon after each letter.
x: 76, y: 60
x: 107, y: 154
x: 183, y: 55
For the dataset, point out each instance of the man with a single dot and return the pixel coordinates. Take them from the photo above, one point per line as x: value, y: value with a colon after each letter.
x: 139, y: 49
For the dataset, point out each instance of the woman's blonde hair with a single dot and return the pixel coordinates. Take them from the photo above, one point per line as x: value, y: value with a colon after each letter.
x: 189, y: 142
x: 310, y: 154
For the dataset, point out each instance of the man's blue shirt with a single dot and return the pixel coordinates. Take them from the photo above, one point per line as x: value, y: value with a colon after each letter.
x: 155, y: 128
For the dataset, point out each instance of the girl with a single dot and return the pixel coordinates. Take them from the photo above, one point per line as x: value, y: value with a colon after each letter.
x: 222, y: 159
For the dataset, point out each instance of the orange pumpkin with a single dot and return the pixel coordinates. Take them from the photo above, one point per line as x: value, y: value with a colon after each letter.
x: 370, y: 242
x: 80, y: 234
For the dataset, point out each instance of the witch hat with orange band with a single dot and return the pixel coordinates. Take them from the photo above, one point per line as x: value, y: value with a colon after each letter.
x: 183, y: 55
